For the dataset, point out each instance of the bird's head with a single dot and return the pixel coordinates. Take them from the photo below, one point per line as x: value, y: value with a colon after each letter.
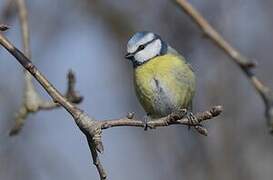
x: 144, y: 46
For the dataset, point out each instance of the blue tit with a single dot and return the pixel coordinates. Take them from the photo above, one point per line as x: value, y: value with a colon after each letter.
x: 164, y: 81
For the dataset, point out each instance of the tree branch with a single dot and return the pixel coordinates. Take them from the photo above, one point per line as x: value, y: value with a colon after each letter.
x: 7, y: 12
x: 92, y: 128
x: 87, y: 125
x: 32, y: 102
x: 243, y: 62
x: 96, y: 160
x: 176, y: 118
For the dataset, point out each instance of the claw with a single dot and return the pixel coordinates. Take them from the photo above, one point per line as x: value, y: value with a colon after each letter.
x: 192, y: 120
x: 146, y: 119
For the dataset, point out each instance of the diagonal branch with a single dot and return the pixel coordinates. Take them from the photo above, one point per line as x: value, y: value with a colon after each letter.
x: 243, y: 62
x: 91, y: 128
x: 86, y: 124
x: 32, y: 102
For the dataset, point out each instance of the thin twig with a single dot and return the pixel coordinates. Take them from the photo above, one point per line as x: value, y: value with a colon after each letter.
x: 242, y: 61
x: 32, y: 102
x: 23, y: 16
x: 173, y: 119
x: 214, y: 35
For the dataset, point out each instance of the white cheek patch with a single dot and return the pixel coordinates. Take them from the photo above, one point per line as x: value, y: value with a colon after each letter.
x: 150, y: 51
x: 132, y: 46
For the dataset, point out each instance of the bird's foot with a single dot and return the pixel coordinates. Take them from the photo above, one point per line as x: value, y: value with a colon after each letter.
x: 193, y: 121
x: 146, y: 120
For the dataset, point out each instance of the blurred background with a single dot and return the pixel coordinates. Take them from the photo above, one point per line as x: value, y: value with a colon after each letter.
x: 90, y: 36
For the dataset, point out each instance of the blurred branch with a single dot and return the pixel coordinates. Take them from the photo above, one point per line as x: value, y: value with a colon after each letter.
x: 243, y: 62
x: 8, y: 11
x: 92, y: 128
x: 32, y: 102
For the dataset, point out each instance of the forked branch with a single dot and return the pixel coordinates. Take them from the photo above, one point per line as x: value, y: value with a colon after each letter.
x: 32, y: 102
x: 93, y: 128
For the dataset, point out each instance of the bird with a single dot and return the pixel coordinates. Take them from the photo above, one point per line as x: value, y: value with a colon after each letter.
x: 164, y: 81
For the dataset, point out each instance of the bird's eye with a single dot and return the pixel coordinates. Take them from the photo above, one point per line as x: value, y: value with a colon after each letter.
x: 141, y: 47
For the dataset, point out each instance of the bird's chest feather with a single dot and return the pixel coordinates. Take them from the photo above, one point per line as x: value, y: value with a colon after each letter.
x: 156, y: 86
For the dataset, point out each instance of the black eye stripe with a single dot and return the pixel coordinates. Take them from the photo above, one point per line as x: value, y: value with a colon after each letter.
x: 142, y: 46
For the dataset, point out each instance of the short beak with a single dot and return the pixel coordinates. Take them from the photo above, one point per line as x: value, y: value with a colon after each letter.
x: 129, y: 56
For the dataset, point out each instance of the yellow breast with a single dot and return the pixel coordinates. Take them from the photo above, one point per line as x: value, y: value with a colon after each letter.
x: 164, y: 84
